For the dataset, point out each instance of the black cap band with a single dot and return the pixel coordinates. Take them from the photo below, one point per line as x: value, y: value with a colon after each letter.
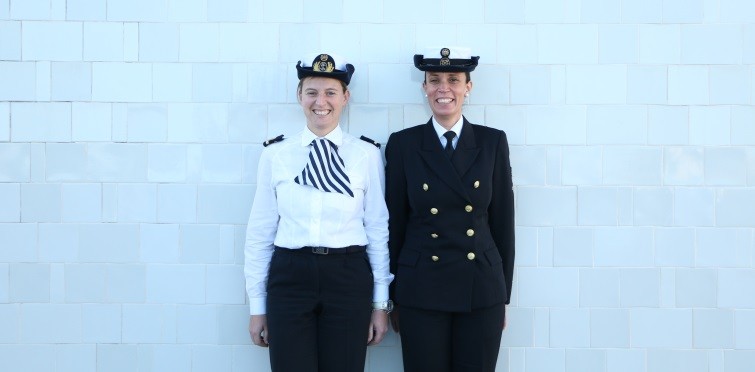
x: 325, y: 66
x: 447, y: 60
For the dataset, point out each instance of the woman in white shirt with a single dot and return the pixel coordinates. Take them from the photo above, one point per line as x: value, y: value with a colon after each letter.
x: 316, y: 256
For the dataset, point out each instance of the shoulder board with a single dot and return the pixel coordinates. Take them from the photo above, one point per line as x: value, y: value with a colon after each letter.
x: 272, y: 141
x: 370, y: 140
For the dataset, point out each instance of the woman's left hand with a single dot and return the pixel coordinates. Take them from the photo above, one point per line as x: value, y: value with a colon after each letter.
x: 378, y: 327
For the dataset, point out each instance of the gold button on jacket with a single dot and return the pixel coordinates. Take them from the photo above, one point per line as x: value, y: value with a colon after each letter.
x: 434, y: 235
x: 434, y: 210
x: 470, y: 256
x: 435, y: 258
x: 470, y: 232
x: 425, y: 187
x: 468, y: 208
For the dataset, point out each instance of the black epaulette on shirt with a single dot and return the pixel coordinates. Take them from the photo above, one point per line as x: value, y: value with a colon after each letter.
x: 273, y: 140
x: 370, y: 140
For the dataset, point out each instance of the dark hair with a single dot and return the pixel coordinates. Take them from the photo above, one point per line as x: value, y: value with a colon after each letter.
x: 301, y: 82
x: 466, y: 73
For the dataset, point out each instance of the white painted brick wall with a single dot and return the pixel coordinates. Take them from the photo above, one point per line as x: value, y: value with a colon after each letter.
x: 130, y: 132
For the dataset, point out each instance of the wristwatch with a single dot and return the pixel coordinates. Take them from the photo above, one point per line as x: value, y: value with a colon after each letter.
x: 386, y: 306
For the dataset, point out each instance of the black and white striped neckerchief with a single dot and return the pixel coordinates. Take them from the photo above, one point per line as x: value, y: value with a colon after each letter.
x: 325, y: 169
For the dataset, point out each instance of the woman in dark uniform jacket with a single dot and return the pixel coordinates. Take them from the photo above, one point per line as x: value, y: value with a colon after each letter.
x: 451, y: 227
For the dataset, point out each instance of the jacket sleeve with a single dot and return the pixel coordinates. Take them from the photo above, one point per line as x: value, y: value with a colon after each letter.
x: 396, y: 201
x: 501, y: 210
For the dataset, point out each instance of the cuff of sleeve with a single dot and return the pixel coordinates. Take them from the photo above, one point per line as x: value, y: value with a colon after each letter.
x: 257, y: 306
x: 380, y: 293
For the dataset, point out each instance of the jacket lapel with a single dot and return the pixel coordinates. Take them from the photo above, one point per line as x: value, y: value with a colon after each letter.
x: 466, y: 150
x: 433, y: 155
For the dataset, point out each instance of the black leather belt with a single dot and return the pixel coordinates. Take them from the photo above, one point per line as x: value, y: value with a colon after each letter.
x: 324, y: 250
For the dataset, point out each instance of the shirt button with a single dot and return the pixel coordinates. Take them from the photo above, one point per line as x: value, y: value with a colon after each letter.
x: 470, y: 232
x: 468, y: 208
x: 476, y: 184
x: 434, y: 235
x: 435, y: 258
x: 425, y: 187
x: 434, y: 210
x: 470, y: 256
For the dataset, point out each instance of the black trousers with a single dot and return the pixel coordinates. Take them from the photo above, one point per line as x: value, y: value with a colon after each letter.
x: 318, y: 311
x: 439, y: 341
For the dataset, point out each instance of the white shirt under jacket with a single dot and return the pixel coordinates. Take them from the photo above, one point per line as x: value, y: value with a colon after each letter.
x: 289, y: 215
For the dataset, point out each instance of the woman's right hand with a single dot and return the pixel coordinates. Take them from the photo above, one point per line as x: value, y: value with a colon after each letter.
x: 258, y: 329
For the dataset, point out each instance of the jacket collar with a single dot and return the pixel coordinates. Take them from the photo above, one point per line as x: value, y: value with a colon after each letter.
x: 452, y: 170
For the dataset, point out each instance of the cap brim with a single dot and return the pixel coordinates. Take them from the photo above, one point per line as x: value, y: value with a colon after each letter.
x: 456, y: 65
x: 344, y: 76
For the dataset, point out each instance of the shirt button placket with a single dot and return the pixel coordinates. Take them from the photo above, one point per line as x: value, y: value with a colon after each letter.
x: 316, y: 221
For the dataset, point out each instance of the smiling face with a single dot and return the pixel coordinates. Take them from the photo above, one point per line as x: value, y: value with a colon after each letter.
x: 322, y: 100
x: 445, y: 94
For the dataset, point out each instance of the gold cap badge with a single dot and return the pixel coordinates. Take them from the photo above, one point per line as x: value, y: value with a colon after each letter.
x: 324, y: 65
x: 444, y: 53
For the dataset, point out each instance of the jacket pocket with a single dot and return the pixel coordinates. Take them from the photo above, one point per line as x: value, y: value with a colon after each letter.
x: 493, y: 257
x: 408, y: 257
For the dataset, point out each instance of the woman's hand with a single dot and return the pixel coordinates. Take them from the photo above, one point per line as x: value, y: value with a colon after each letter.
x: 258, y: 329
x: 378, y: 327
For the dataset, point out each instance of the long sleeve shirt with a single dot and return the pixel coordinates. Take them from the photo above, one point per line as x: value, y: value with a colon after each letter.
x: 289, y: 215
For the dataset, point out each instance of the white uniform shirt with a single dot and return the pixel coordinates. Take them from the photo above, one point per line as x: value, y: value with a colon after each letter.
x: 440, y: 131
x: 290, y: 215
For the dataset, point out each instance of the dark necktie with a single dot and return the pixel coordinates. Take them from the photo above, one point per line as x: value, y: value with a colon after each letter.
x: 449, y: 143
x: 325, y: 169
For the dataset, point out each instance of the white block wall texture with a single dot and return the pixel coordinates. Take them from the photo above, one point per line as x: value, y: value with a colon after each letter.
x: 130, y: 132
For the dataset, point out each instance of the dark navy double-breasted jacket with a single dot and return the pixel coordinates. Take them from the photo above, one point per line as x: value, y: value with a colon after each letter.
x: 451, y: 221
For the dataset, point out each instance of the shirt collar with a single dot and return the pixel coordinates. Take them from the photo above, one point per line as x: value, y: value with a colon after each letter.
x: 335, y: 136
x: 439, y: 130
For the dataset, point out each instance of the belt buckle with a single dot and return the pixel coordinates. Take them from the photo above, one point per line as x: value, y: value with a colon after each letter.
x: 320, y: 250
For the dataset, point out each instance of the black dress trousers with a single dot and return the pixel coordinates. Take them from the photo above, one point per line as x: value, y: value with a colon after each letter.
x: 318, y: 311
x: 441, y: 341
